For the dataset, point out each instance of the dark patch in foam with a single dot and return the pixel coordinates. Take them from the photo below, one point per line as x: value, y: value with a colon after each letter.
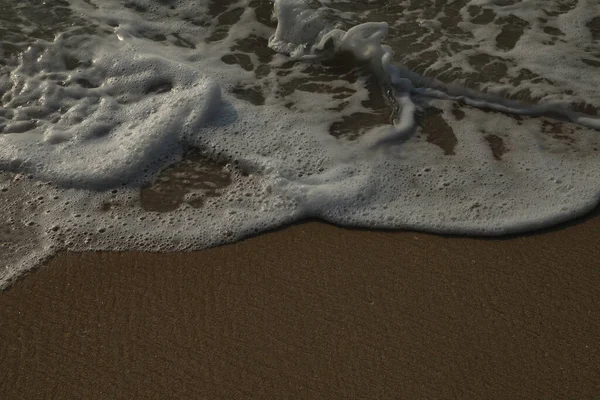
x: 99, y: 131
x: 481, y: 17
x: 357, y: 124
x: 195, y: 173
x: 550, y: 30
x: 492, y: 68
x: 71, y: 62
x: 135, y: 6
x: 437, y: 130
x: 591, y: 63
x: 217, y: 7
x: 171, y: 3
x: 251, y: 94
x: 594, y: 26
x: 243, y: 60
x: 497, y: 146
x: 262, y: 71
x: 256, y: 45
x: 85, y: 83
x: 225, y: 18
x: 513, y: 28
x: 264, y: 11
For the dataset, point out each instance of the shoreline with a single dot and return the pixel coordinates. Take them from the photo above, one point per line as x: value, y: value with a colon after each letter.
x: 583, y: 218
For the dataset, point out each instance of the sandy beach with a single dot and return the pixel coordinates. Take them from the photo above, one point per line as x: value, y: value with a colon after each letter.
x: 313, y: 311
x: 453, y: 115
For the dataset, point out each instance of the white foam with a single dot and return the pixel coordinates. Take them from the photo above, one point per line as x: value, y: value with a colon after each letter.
x: 116, y: 124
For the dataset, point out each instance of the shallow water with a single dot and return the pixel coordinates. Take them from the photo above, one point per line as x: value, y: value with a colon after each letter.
x: 175, y: 125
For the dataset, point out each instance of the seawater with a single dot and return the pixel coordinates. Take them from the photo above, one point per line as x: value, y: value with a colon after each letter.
x: 169, y: 125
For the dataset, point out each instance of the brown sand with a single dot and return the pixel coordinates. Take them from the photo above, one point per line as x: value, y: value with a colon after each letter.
x: 313, y: 311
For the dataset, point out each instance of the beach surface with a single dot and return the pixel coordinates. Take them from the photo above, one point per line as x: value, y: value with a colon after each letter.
x: 313, y: 311
x: 175, y: 125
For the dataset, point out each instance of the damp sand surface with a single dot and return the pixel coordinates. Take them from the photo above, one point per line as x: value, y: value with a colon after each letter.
x: 313, y: 311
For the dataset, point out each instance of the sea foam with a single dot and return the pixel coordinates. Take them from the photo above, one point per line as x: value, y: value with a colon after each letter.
x: 81, y: 137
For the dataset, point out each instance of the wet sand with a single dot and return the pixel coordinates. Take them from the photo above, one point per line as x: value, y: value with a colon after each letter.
x: 313, y: 311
